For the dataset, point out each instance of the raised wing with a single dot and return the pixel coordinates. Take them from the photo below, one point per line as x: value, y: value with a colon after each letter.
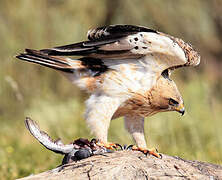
x: 108, y: 41
x: 131, y: 42
x: 120, y: 42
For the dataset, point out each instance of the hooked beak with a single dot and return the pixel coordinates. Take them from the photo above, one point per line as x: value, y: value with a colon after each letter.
x: 180, y: 108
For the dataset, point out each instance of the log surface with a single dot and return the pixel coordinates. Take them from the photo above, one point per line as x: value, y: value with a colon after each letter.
x: 132, y: 165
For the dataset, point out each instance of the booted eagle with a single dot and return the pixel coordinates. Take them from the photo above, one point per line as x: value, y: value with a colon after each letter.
x: 126, y: 69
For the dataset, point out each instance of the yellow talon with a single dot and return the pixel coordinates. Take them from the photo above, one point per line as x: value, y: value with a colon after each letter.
x: 151, y: 151
x: 107, y: 145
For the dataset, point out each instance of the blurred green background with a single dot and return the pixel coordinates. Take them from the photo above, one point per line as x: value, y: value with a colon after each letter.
x: 58, y: 106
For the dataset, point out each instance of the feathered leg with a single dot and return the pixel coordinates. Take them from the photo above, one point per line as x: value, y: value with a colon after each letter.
x: 100, y: 110
x: 135, y: 126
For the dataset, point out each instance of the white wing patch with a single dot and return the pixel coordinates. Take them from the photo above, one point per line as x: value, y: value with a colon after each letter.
x: 167, y: 52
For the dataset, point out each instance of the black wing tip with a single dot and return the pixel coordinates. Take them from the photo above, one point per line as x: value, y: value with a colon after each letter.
x: 27, y: 52
x: 21, y: 56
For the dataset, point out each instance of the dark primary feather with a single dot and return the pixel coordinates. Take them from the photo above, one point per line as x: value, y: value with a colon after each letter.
x: 80, y: 49
x: 38, y: 57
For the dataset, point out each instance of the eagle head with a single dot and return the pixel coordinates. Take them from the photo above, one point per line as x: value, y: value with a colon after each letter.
x: 165, y: 96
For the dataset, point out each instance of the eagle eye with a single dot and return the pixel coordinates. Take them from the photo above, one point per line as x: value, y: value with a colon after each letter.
x: 173, y: 102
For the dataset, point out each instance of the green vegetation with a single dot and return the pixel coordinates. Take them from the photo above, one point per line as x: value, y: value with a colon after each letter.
x: 58, y: 106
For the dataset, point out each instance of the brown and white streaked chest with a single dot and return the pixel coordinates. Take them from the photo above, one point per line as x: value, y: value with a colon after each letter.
x: 139, y: 104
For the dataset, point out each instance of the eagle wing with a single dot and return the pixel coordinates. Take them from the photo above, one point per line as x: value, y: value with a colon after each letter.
x: 117, y: 42
x: 138, y: 51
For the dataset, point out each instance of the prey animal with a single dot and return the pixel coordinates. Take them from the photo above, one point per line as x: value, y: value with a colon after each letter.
x: 126, y: 69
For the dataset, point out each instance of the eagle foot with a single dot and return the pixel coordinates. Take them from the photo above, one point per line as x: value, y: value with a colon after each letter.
x: 108, y: 145
x: 152, y: 151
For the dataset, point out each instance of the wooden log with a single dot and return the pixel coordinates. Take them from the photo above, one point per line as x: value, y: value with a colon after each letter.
x: 132, y: 165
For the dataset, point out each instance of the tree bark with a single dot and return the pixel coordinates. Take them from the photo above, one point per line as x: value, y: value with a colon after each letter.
x: 132, y: 165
